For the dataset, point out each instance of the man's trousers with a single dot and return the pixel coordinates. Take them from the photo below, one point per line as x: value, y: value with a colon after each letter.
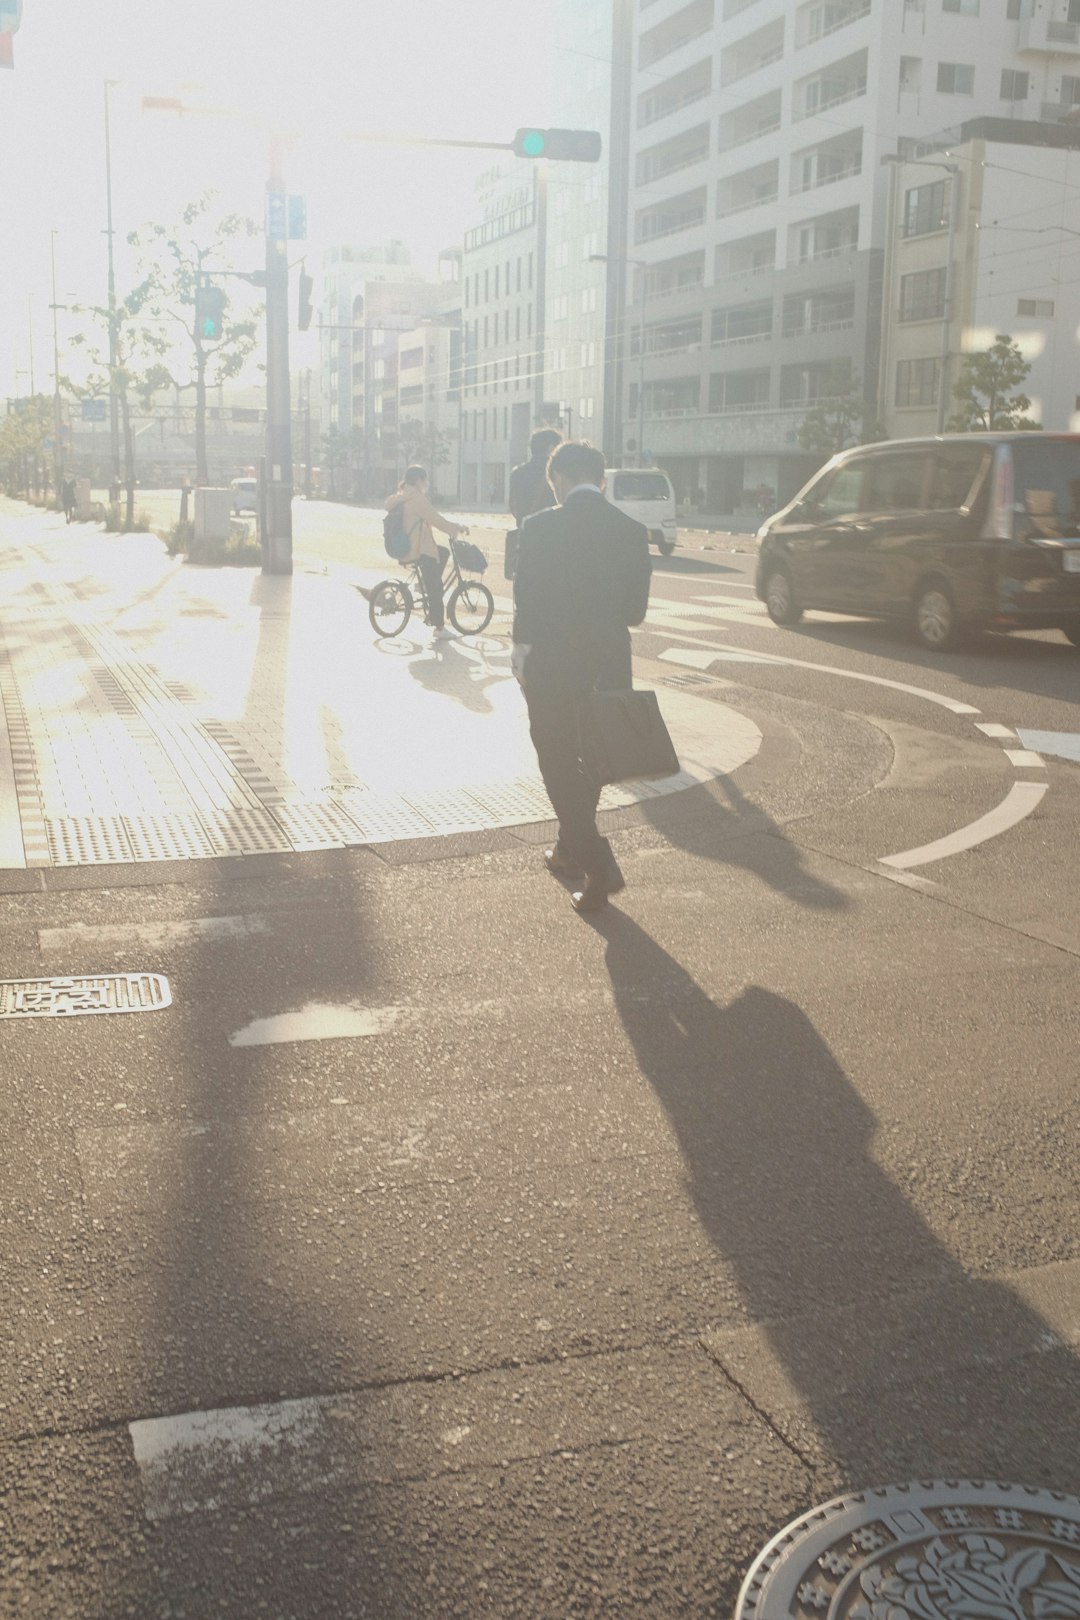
x: 553, y: 700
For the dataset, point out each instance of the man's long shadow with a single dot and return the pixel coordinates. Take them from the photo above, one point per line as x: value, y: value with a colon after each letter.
x: 892, y: 1360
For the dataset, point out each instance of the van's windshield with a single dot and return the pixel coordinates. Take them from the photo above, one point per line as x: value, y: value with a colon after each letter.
x: 640, y: 486
x: 1046, y: 481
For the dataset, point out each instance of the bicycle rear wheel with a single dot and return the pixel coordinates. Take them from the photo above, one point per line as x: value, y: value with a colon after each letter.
x: 390, y: 607
x: 470, y: 607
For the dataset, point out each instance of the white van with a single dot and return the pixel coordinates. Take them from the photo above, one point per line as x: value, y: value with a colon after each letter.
x: 645, y: 493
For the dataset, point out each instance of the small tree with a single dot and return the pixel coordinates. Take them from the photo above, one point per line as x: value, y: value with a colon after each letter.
x: 177, y: 260
x: 982, y: 391
x: 423, y: 442
x: 138, y: 369
x: 23, y: 434
x: 335, y: 454
x: 841, y: 418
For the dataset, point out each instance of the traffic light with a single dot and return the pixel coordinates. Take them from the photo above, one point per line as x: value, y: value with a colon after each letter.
x: 570, y: 145
x: 304, y: 311
x: 209, y: 313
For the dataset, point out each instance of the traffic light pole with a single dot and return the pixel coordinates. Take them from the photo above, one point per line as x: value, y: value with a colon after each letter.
x: 277, y: 531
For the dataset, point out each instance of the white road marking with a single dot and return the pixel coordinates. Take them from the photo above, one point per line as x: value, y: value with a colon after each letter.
x: 991, y: 728
x: 1062, y: 744
x: 1019, y: 802
x: 157, y: 934
x: 943, y: 702
x: 193, y: 1462
x: 753, y: 606
x: 1024, y: 758
x: 692, y: 660
x: 12, y: 853
x: 910, y: 881
x: 319, y: 1021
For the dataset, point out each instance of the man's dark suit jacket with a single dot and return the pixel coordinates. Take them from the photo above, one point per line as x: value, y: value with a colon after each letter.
x: 582, y: 579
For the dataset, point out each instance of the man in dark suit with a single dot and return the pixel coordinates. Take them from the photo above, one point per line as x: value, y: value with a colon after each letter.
x: 582, y: 581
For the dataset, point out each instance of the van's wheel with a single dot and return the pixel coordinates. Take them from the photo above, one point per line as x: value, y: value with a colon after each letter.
x: 780, y: 603
x: 665, y: 547
x: 936, y: 623
x: 1072, y: 633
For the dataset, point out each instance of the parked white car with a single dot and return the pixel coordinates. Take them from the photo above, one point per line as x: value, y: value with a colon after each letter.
x: 645, y: 493
x: 245, y: 494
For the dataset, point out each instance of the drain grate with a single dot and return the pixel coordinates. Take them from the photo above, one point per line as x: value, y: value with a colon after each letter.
x: 107, y: 993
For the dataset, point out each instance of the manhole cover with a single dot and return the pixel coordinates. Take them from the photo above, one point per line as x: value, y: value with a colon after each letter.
x: 106, y: 993
x: 929, y: 1550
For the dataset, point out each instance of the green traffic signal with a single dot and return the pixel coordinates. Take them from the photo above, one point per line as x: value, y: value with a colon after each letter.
x: 567, y: 145
x: 210, y: 312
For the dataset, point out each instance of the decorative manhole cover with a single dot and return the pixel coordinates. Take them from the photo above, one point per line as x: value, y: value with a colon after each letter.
x: 930, y: 1550
x: 105, y: 993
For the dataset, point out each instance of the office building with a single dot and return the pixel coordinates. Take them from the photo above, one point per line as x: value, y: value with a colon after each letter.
x: 757, y: 201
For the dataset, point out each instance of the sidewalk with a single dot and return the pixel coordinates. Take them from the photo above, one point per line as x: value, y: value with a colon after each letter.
x: 157, y: 711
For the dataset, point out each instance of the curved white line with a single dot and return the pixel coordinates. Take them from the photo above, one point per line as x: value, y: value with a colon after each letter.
x: 1019, y: 802
x: 720, y: 648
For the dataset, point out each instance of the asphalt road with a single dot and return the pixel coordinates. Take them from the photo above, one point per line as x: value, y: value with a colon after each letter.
x: 548, y: 1267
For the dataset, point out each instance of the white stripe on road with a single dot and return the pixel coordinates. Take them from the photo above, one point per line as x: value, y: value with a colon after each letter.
x: 830, y: 669
x: 1024, y: 758
x: 190, y: 931
x: 991, y: 728
x: 1019, y: 802
x: 320, y: 1021
x: 692, y: 660
x: 197, y: 1460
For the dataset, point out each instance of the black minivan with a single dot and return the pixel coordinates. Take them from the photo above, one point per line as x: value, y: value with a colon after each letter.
x: 963, y: 531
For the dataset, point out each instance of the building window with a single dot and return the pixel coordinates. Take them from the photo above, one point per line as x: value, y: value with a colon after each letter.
x: 1041, y: 307
x: 1070, y: 90
x: 922, y: 295
x: 924, y: 209
x: 917, y: 382
x: 1012, y: 10
x: 1014, y: 85
x: 966, y: 8
x: 956, y: 78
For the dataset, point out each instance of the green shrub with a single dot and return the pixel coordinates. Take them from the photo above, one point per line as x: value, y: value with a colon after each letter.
x: 238, y: 551
x: 179, y: 539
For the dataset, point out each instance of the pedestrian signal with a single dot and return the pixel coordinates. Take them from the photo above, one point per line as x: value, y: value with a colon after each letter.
x: 567, y: 145
x: 209, y: 313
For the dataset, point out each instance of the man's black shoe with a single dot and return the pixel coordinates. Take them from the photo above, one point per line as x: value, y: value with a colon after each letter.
x: 594, y: 896
x: 557, y: 863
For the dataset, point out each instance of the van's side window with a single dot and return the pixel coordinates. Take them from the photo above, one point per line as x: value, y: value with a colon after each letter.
x: 842, y: 493
x: 898, y: 481
x: 958, y: 469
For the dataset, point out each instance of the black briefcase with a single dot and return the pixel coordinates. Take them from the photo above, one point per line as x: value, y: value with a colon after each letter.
x: 624, y: 738
x: 510, y: 553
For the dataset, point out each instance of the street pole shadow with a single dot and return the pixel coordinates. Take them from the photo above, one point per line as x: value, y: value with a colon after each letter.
x: 869, y: 1347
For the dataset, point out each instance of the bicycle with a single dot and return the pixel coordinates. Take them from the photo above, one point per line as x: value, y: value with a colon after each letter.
x: 468, y: 607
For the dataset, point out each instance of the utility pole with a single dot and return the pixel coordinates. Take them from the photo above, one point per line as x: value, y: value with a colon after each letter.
x: 114, y: 404
x: 58, y: 446
x: 307, y: 435
x: 277, y: 536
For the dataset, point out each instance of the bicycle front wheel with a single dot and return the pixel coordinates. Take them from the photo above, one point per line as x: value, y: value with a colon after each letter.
x: 470, y: 607
x: 390, y: 607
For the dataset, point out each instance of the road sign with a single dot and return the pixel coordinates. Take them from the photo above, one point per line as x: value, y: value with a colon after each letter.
x: 94, y: 410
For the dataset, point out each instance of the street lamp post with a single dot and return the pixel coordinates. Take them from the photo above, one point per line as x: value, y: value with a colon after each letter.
x: 642, y: 266
x: 952, y: 169
x: 58, y: 448
x: 114, y: 404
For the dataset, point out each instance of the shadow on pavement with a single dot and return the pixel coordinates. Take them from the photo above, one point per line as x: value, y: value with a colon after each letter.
x: 739, y: 833
x: 447, y: 670
x: 871, y: 1349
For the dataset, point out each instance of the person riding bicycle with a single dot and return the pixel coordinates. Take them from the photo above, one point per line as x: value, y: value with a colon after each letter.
x: 420, y: 520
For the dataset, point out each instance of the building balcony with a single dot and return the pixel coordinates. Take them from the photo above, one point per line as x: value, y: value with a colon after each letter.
x: 836, y: 98
x: 1041, y: 35
x: 811, y: 35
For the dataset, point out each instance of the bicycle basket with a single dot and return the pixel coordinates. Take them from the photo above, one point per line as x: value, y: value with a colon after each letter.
x: 469, y: 557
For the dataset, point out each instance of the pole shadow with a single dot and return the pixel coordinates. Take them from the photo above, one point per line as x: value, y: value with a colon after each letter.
x: 870, y: 1347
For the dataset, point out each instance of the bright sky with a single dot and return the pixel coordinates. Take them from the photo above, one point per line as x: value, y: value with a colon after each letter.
x: 470, y: 69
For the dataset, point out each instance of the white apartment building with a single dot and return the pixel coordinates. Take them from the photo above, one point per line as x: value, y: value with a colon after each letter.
x: 757, y: 200
x: 368, y: 296
x: 429, y: 378
x: 980, y: 243
x: 503, y: 269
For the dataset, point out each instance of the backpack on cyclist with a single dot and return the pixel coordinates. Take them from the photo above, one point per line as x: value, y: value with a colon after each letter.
x: 396, y: 537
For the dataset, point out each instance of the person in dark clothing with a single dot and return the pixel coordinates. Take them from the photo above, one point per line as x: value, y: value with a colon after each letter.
x: 582, y: 581
x: 530, y: 490
x: 67, y: 498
